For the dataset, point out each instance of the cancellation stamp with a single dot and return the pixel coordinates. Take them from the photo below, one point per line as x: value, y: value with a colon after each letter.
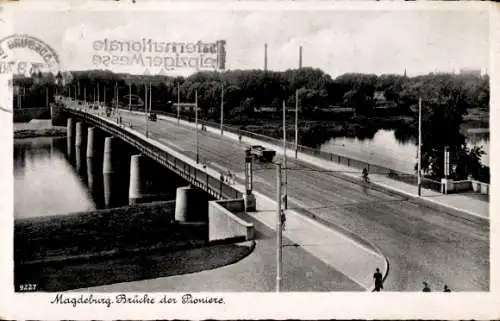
x: 42, y: 58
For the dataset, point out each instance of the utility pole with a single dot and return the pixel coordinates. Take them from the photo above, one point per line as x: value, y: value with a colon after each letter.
x: 196, y: 124
x: 278, y: 228
x: 116, y: 96
x: 98, y: 97
x: 104, y: 100
x: 129, y: 97
x: 178, y: 103
x: 84, y: 94
x: 419, y: 166
x: 46, y: 96
x: 222, y: 111
x: 285, y: 196
x: 146, y: 106
x: 296, y: 122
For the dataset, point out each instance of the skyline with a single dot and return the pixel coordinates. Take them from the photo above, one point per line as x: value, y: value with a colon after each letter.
x: 337, y: 42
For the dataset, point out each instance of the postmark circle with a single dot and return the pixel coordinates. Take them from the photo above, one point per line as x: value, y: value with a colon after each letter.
x: 10, y: 64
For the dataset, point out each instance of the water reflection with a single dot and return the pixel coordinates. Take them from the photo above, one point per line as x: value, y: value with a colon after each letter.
x: 395, y: 149
x: 50, y: 180
x: 44, y: 181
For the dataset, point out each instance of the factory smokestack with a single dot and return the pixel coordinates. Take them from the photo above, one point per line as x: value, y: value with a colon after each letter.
x: 300, y: 57
x: 265, y: 56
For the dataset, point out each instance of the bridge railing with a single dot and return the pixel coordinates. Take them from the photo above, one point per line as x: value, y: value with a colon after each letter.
x: 215, y: 186
x: 350, y: 162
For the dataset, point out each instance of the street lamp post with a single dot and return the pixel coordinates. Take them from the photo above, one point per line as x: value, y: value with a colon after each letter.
x: 196, y: 124
x: 285, y: 196
x: 278, y: 228
x: 178, y: 103
x: 419, y: 166
x: 129, y: 96
x: 146, y: 106
x: 296, y: 122
x: 222, y: 112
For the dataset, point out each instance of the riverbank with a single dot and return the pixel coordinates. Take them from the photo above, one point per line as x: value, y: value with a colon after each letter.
x: 38, y: 128
x: 46, y: 132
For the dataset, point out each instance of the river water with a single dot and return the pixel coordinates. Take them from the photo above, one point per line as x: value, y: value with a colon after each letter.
x: 386, y: 150
x: 45, y: 181
x: 49, y: 182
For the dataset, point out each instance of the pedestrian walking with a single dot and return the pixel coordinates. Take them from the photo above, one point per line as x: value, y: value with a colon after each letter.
x: 446, y: 288
x: 426, y: 287
x: 283, y: 220
x: 377, y: 276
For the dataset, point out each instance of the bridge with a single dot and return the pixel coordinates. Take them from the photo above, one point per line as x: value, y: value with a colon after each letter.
x: 420, y: 240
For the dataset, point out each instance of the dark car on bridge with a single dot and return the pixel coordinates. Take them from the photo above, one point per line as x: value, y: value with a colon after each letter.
x: 152, y: 117
x: 262, y: 154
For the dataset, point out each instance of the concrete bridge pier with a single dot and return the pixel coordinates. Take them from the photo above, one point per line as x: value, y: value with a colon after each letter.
x: 57, y: 114
x: 136, y: 186
x: 107, y: 170
x: 90, y: 142
x: 78, y: 145
x: 190, y: 205
x: 69, y: 136
x: 90, y: 158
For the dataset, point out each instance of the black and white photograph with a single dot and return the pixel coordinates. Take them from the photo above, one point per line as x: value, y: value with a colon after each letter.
x: 180, y: 155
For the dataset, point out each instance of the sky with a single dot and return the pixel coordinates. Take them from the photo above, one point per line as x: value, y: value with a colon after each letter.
x: 335, y: 41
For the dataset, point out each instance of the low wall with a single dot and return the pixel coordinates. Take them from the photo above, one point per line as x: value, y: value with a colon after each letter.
x: 103, y: 233
x: 465, y: 186
x: 480, y: 187
x: 224, y: 225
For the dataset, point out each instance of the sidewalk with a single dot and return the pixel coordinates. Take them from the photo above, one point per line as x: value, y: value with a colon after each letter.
x: 454, y: 202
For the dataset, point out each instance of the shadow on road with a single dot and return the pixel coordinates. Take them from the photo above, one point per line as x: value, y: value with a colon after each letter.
x: 141, y: 267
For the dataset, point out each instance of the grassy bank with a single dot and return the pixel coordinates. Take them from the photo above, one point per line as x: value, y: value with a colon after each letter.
x: 102, y: 231
x: 42, y: 132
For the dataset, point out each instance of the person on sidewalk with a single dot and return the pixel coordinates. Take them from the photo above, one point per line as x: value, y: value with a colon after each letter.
x: 426, y: 287
x: 446, y: 288
x: 378, y: 280
x: 283, y: 220
x: 364, y: 174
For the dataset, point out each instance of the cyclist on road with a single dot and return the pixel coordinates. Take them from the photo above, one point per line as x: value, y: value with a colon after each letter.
x: 283, y: 220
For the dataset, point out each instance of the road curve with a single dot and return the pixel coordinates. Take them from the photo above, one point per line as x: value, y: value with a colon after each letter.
x: 421, y: 244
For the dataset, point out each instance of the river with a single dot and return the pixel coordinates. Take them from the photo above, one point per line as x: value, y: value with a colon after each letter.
x: 48, y: 182
x: 45, y: 182
x: 386, y: 150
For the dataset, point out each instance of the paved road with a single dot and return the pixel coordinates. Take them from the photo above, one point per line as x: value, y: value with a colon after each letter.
x: 421, y: 244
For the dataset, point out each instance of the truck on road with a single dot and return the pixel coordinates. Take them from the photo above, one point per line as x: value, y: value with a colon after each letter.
x: 262, y: 154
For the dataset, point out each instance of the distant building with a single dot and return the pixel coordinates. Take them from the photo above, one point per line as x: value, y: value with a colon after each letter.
x: 379, y: 99
x: 185, y: 107
x: 379, y: 96
x: 471, y: 72
x: 265, y: 109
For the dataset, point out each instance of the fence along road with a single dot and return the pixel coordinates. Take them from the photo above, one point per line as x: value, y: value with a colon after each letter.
x: 420, y: 243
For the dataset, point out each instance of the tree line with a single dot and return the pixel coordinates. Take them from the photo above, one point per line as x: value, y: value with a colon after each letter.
x: 446, y: 99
